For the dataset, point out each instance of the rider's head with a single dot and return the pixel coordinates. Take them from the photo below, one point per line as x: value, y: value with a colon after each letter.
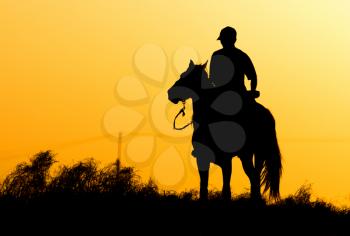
x: 228, y: 37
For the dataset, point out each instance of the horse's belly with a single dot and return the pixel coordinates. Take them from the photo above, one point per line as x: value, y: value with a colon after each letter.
x: 222, y: 138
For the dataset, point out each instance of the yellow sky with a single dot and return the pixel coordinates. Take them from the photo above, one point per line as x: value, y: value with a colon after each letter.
x: 68, y: 67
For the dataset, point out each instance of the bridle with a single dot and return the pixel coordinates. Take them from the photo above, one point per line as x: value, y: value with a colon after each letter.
x: 182, y: 111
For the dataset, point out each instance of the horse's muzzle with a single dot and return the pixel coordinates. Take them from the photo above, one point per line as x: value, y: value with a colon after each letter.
x: 171, y: 96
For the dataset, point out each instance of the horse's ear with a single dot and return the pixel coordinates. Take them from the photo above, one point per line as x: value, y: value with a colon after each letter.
x: 205, y: 65
x: 191, y: 64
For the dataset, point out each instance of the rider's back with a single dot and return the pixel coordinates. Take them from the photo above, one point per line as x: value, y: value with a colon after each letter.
x: 241, y: 66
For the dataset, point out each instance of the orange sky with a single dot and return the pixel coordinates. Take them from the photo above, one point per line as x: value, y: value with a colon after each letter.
x: 69, y: 67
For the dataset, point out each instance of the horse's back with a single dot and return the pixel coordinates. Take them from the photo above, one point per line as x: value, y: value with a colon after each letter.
x: 264, y: 115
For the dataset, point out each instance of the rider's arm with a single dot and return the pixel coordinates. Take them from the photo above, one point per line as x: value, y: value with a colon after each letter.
x: 253, y: 84
x: 251, y: 74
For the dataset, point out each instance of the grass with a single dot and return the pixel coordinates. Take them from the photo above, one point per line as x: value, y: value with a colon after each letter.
x: 116, y: 195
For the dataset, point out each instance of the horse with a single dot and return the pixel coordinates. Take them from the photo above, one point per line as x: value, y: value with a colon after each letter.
x: 219, y: 136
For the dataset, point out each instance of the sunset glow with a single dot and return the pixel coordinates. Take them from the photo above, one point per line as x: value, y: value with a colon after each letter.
x: 75, y: 73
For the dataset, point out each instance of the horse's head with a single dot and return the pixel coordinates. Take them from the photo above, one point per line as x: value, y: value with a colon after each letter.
x: 189, y: 83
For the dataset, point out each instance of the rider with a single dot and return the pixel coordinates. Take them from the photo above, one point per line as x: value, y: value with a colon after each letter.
x: 241, y: 66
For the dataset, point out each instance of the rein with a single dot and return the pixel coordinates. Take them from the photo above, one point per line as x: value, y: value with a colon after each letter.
x: 182, y: 111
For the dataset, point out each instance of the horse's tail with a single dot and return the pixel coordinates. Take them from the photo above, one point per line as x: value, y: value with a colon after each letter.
x: 270, y: 153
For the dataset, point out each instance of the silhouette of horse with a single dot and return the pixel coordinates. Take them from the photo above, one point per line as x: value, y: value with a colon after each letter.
x: 224, y: 128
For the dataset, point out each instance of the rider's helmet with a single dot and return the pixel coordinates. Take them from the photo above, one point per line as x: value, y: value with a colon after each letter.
x: 227, y: 32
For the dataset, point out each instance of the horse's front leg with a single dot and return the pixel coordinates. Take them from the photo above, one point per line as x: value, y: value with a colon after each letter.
x: 203, y: 165
x: 203, y: 192
x: 226, y: 166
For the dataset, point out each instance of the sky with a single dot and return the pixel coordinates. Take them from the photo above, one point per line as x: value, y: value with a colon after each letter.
x: 76, y: 73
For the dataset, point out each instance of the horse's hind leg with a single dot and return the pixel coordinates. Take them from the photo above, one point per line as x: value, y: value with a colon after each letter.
x: 258, y: 164
x: 253, y: 175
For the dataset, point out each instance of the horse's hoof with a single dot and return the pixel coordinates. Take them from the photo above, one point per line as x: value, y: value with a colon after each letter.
x: 203, y: 195
x: 226, y: 195
x: 258, y: 201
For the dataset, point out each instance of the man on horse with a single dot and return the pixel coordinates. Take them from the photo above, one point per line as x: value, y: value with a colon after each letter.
x: 228, y: 122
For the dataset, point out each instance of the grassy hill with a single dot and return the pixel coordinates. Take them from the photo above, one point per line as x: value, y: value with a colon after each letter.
x: 85, y: 197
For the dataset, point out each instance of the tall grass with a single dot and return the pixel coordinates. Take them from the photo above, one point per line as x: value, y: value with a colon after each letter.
x: 83, y: 189
x: 32, y: 180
